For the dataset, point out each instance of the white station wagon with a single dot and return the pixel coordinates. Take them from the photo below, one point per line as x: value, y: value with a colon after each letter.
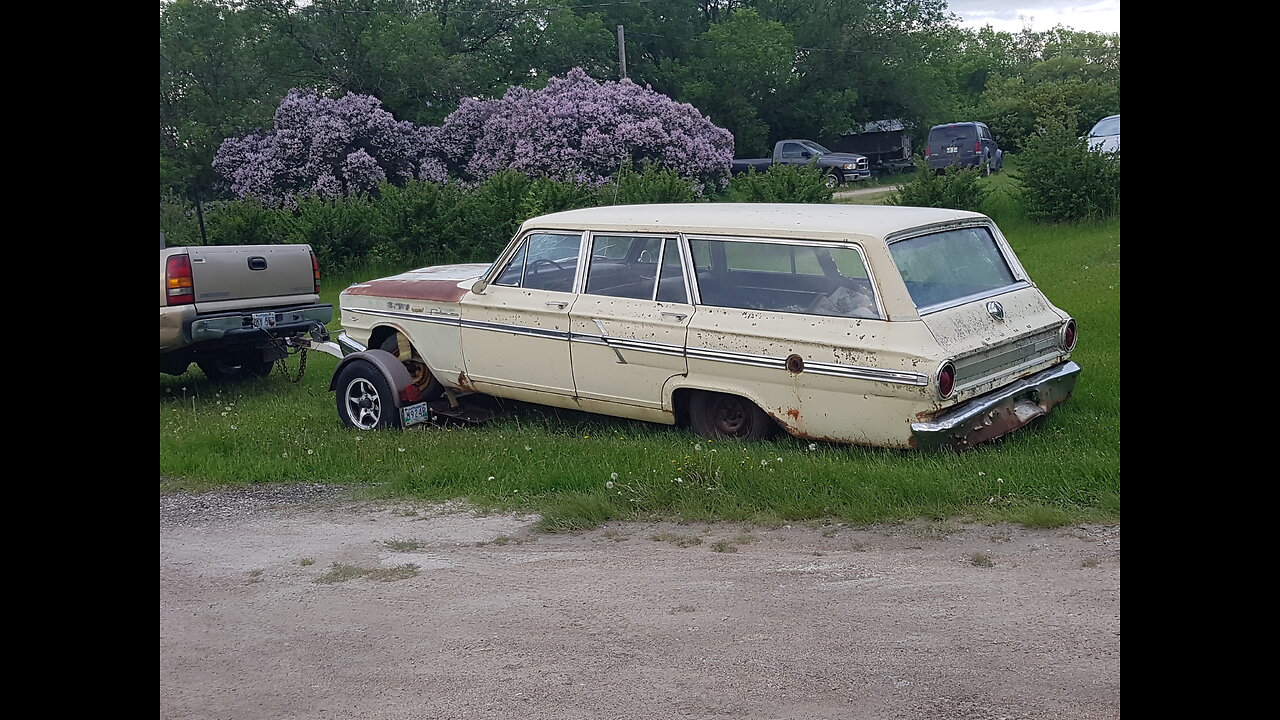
x: 883, y: 326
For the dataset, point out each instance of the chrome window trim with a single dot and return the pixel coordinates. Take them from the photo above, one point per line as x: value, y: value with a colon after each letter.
x: 588, y: 244
x: 994, y: 292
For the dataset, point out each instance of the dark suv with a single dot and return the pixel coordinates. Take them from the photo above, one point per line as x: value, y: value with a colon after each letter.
x: 967, y: 144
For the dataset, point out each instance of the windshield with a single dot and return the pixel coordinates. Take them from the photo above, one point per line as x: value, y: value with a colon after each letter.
x: 944, y: 267
x: 1106, y: 126
x: 814, y: 146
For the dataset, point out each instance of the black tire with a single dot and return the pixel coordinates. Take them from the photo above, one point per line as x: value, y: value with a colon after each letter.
x: 419, y: 373
x: 235, y: 365
x: 365, y: 400
x: 720, y: 415
x: 831, y: 181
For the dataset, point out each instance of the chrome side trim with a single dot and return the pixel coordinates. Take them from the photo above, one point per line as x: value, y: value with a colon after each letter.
x: 416, y: 317
x: 853, y: 372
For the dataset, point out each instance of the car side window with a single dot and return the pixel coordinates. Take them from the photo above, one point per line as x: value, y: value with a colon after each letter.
x: 623, y: 266
x: 808, y: 279
x: 545, y: 261
x: 671, y: 286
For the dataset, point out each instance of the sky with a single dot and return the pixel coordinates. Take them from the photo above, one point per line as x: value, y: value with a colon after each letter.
x: 1009, y: 15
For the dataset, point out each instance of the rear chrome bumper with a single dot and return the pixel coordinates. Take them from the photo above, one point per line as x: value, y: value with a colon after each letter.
x: 348, y: 345
x: 997, y: 413
x: 281, y: 322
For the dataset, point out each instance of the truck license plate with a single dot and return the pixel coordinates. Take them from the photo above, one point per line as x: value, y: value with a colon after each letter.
x: 264, y: 320
x: 414, y: 414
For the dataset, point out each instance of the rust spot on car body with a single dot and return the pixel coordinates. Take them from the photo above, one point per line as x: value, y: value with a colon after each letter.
x: 793, y: 413
x: 446, y: 291
x: 464, y: 382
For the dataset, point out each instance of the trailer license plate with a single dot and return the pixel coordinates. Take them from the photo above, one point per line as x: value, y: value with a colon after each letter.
x: 414, y: 414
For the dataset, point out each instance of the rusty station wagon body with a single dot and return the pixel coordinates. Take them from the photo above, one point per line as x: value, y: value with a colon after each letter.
x: 882, y: 326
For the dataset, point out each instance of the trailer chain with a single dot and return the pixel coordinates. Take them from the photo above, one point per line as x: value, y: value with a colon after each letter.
x: 282, y: 362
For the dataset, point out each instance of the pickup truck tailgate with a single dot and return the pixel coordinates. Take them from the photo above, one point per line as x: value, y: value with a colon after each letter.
x: 230, y: 277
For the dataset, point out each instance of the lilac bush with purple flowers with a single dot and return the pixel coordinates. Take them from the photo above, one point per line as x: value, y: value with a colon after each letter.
x: 326, y: 148
x: 574, y: 130
x: 579, y: 130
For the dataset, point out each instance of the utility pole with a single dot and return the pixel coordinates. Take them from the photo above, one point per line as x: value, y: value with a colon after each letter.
x: 622, y: 55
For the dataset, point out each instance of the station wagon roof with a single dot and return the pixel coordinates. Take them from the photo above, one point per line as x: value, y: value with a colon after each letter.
x: 752, y: 219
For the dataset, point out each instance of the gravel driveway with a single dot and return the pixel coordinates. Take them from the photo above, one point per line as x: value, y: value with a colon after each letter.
x: 295, y: 602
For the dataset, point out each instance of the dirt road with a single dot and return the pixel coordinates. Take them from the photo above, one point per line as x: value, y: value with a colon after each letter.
x: 295, y: 603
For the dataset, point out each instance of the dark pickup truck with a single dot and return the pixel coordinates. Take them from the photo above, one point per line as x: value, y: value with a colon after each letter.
x: 837, y: 167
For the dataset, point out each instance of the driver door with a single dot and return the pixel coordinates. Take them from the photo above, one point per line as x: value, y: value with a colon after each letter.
x: 515, y: 335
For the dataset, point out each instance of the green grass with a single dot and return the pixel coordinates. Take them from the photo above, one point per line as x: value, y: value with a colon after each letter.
x: 557, y: 463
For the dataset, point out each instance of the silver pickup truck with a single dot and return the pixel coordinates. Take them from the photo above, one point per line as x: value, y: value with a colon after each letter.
x: 236, y: 310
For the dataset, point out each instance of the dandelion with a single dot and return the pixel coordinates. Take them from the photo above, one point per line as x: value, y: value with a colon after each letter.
x: 779, y: 459
x: 400, y: 449
x: 981, y: 473
x: 1000, y: 480
x: 697, y: 446
x: 763, y: 463
x: 613, y: 476
x: 813, y: 446
x: 284, y: 455
x: 224, y: 414
x: 608, y: 485
x: 233, y: 427
x: 310, y: 451
x: 526, y: 447
x: 679, y: 480
x: 490, y: 478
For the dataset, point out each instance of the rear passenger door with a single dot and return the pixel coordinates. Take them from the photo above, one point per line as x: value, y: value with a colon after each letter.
x: 628, y: 327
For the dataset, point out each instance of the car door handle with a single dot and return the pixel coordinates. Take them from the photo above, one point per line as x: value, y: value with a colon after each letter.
x: 558, y: 303
x: 679, y: 317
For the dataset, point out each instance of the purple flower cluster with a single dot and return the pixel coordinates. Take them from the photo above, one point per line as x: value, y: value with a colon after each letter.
x: 578, y: 129
x: 574, y: 130
x: 325, y: 147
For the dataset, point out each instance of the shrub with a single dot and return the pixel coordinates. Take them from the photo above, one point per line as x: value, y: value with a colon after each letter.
x: 651, y: 184
x: 780, y: 184
x: 1063, y: 180
x: 341, y: 231
x: 582, y: 131
x: 959, y: 188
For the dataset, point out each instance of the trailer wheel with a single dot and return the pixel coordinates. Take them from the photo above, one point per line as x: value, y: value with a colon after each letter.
x: 719, y: 415
x: 365, y: 400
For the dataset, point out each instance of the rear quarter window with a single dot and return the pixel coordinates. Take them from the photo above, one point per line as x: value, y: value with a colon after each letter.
x: 946, y: 267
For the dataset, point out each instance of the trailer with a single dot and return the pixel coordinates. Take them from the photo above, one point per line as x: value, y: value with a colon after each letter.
x: 885, y: 143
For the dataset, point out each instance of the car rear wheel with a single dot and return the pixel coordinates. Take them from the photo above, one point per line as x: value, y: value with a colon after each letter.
x: 720, y: 415
x: 364, y: 398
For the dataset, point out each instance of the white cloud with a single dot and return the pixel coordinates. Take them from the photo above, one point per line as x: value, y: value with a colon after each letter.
x: 1012, y: 15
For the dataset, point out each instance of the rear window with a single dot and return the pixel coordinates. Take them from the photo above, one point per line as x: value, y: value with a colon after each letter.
x: 947, y: 267
x: 953, y: 135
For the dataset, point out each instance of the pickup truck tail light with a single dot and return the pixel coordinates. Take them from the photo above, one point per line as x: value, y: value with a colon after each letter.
x: 315, y: 271
x: 177, y: 273
x: 977, y: 146
x: 946, y: 380
x: 927, y: 151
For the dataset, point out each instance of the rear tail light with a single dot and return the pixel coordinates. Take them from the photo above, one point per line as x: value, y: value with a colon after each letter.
x: 928, y: 151
x: 315, y: 272
x: 410, y: 394
x: 946, y: 380
x: 177, y: 279
x: 1069, y: 336
x: 977, y: 146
